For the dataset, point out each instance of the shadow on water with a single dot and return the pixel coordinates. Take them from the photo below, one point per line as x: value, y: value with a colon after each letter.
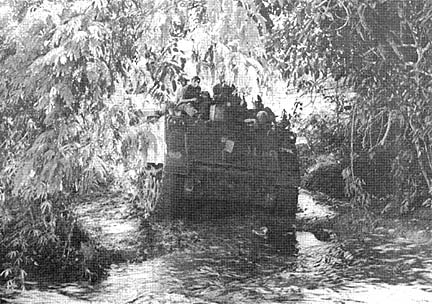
x: 235, y: 261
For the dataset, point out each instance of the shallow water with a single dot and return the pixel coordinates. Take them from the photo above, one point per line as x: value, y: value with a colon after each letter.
x: 232, y: 265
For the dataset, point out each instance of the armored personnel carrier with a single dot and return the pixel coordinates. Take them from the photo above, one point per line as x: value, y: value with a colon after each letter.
x: 193, y: 162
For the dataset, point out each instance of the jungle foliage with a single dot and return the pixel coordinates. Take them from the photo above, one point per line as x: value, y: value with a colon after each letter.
x: 68, y: 68
x: 67, y: 118
x: 380, y: 50
x: 59, y: 64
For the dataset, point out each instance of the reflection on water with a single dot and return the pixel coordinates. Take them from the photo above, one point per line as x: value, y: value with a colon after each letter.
x: 353, y: 272
x: 231, y: 265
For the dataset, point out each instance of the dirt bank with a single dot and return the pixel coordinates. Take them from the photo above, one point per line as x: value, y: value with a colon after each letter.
x: 347, y: 220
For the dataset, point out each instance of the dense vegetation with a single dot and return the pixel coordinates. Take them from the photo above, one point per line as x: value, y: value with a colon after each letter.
x: 380, y: 51
x: 68, y: 69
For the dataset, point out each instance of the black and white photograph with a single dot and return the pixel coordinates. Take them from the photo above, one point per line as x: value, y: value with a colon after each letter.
x: 215, y: 151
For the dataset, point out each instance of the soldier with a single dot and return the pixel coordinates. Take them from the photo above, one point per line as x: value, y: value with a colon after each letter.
x: 228, y: 96
x: 191, y: 92
x: 189, y: 97
x: 182, y: 83
x: 258, y: 104
x: 264, y: 115
x: 222, y: 91
x: 180, y: 89
x: 204, y: 105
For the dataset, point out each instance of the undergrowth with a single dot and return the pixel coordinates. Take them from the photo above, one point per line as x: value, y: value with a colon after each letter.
x: 47, y: 244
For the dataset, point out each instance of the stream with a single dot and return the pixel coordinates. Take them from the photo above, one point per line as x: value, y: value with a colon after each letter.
x: 230, y: 264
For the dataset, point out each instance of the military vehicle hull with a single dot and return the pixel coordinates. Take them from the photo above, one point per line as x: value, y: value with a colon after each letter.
x: 192, y: 163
